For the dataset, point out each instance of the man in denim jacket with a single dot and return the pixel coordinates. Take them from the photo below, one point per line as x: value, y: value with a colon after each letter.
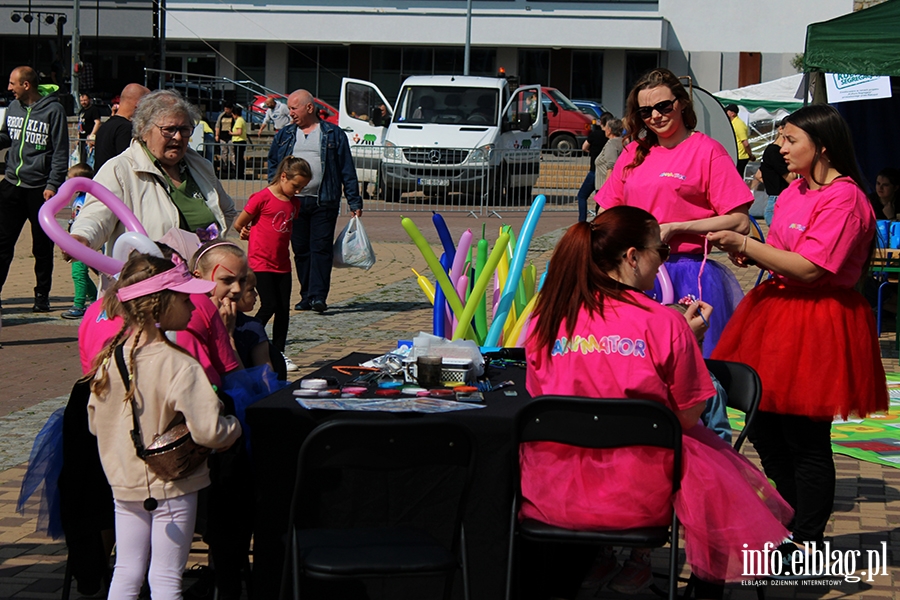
x: 325, y: 148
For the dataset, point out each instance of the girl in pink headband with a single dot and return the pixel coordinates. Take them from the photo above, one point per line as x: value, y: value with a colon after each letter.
x: 163, y: 385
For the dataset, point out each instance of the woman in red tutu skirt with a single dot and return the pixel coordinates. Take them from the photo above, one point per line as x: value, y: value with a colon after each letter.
x: 596, y: 334
x: 807, y: 332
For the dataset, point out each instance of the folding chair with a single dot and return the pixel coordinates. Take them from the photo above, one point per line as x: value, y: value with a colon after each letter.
x: 392, y: 547
x: 596, y: 423
x: 744, y: 391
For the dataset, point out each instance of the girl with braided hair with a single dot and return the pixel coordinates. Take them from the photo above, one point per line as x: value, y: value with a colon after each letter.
x: 167, y: 385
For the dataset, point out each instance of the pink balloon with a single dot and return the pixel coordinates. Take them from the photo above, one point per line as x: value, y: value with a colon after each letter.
x: 665, y: 284
x: 462, y: 254
x: 78, y: 251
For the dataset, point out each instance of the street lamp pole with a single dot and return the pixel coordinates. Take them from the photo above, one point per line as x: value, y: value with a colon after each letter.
x: 468, y: 51
x: 76, y: 47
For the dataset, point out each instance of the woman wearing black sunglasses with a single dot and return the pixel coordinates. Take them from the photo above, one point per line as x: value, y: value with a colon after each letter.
x: 688, y: 182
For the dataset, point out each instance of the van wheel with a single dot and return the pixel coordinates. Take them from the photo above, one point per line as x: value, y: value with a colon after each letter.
x: 391, y: 194
x: 563, y: 144
x: 499, y: 184
x: 521, y: 196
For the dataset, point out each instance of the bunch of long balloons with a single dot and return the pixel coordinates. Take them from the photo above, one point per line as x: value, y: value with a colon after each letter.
x: 463, y: 273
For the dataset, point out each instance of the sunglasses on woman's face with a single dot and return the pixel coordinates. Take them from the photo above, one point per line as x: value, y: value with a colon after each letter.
x: 663, y: 250
x: 663, y: 108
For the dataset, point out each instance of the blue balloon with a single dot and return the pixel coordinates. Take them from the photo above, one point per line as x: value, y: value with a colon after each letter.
x: 438, y: 320
x: 444, y: 234
x: 515, y: 271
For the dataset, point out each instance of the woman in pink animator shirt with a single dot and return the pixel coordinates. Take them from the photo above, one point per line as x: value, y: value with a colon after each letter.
x: 596, y: 334
x: 808, y: 333
x: 686, y: 180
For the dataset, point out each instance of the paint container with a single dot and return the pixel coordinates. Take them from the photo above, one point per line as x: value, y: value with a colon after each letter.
x: 428, y: 371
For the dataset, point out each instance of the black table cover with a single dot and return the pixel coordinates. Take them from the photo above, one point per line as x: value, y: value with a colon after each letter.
x: 279, y: 425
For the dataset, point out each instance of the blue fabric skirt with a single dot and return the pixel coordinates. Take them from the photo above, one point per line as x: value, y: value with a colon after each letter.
x: 720, y: 289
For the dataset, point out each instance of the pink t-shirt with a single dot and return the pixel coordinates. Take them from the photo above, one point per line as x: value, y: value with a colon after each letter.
x: 94, y: 333
x: 207, y: 340
x: 831, y: 227
x: 629, y: 352
x: 694, y: 180
x: 270, y: 237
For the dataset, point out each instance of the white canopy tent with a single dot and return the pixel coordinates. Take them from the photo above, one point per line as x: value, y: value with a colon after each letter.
x: 764, y: 104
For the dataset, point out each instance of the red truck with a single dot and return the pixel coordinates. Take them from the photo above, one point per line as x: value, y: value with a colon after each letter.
x: 568, y: 126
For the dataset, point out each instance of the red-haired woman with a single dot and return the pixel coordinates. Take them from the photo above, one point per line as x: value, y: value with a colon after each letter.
x: 637, y: 348
x: 688, y: 182
x: 807, y: 332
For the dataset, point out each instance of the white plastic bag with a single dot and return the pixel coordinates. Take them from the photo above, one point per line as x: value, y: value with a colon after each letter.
x: 352, y: 247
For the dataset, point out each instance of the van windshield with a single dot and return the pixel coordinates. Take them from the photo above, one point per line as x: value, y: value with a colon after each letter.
x: 449, y: 105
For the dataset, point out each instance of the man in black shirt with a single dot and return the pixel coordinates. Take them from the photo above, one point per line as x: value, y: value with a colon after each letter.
x: 88, y: 124
x: 593, y: 144
x: 115, y: 135
x: 774, y: 172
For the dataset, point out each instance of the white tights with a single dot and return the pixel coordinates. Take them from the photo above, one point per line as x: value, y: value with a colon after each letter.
x: 168, y: 532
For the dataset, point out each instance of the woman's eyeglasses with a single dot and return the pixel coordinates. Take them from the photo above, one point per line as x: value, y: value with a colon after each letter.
x: 663, y: 108
x: 170, y: 131
x: 663, y: 251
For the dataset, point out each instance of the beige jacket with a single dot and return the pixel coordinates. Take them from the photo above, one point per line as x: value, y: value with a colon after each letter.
x: 169, y: 382
x: 133, y: 178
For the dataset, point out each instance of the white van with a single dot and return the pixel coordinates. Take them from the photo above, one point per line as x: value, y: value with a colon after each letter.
x: 445, y: 134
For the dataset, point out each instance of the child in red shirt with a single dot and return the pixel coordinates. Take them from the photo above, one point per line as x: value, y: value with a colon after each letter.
x: 271, y: 212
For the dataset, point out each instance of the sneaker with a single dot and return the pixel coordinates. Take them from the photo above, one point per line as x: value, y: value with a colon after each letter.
x: 289, y: 364
x: 634, y: 577
x: 73, y: 313
x: 318, y: 306
x: 302, y: 305
x: 604, y: 569
x: 788, y: 549
x: 41, y: 303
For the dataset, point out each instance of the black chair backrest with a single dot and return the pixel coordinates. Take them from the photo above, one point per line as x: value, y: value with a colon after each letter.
x: 601, y: 423
x: 381, y: 446
x: 390, y: 444
x: 744, y: 390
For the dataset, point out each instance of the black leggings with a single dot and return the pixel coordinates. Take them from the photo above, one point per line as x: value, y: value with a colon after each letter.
x: 275, y: 299
x: 796, y: 454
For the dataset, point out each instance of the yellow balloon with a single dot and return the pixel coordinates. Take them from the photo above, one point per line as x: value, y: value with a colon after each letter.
x: 426, y: 286
x: 516, y: 332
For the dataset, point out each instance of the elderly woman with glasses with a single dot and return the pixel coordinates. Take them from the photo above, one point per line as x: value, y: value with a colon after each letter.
x: 162, y: 181
x: 688, y: 182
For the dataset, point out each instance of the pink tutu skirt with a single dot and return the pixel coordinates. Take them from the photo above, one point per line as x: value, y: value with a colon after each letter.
x: 725, y: 504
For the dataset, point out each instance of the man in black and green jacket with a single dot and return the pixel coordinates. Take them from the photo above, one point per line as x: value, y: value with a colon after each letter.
x: 36, y: 133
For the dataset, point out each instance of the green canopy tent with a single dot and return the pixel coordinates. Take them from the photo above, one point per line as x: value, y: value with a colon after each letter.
x: 866, y: 42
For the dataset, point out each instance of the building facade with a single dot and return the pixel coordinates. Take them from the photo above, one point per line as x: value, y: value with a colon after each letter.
x: 588, y: 49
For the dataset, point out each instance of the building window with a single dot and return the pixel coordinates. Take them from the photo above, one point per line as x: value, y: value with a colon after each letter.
x: 637, y: 64
x: 334, y: 65
x: 251, y: 62
x: 587, y: 75
x: 451, y: 61
x: 386, y: 69
x: 318, y: 69
x: 534, y: 67
x: 390, y: 65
